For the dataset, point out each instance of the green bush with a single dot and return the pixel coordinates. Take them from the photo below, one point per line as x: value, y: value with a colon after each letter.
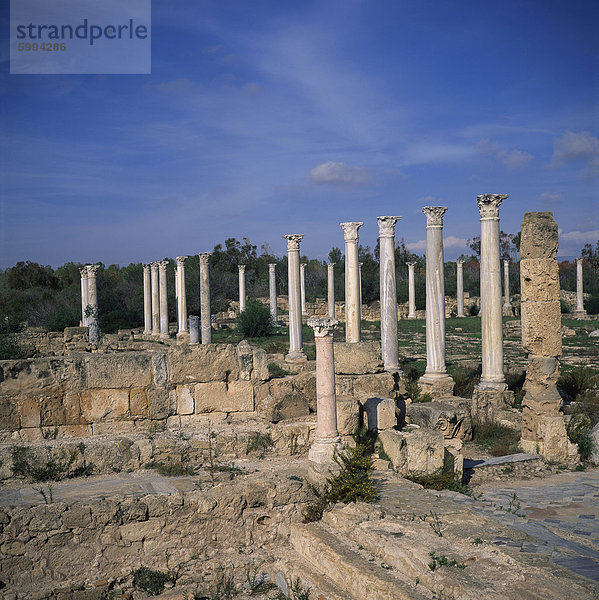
x: 585, y: 446
x: 564, y: 306
x: 574, y: 383
x: 10, y: 349
x: 61, y: 317
x: 149, y: 581
x: 465, y: 379
x: 473, y: 310
x: 274, y: 370
x: 592, y: 305
x: 255, y: 320
x: 496, y: 439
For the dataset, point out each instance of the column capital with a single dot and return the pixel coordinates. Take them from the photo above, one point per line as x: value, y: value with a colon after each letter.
x: 205, y: 257
x: 331, y: 265
x: 146, y: 266
x: 579, y: 260
x: 162, y: 264
x: 241, y: 268
x: 411, y: 265
x: 322, y: 326
x: 506, y: 262
x: 83, y: 272
x: 293, y: 241
x: 272, y: 266
x: 350, y: 230
x: 154, y: 265
x: 387, y: 226
x: 488, y: 205
x: 434, y: 215
x: 181, y: 260
x: 459, y: 262
x: 303, y: 266
x: 92, y: 270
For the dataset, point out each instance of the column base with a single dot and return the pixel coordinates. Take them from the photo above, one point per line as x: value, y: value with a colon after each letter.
x: 183, y: 337
x: 164, y: 336
x: 492, y: 385
x: 296, y: 356
x: 436, y: 384
x: 394, y: 369
x: 580, y: 314
x: 321, y: 461
x: 147, y: 332
x: 411, y: 317
x: 507, y: 310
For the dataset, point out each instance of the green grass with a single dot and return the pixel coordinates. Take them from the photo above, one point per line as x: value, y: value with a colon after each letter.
x: 496, y: 439
x: 441, y: 481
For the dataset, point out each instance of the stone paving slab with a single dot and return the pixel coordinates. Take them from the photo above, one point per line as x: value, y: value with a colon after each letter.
x: 499, y: 460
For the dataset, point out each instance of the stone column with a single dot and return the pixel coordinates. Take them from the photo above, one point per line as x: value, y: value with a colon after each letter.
x: 492, y: 377
x: 194, y: 329
x: 327, y: 440
x: 177, y: 305
x: 84, y: 295
x: 411, y: 291
x: 147, y: 301
x: 331, y: 289
x: 435, y: 380
x: 360, y: 288
x: 460, y: 287
x: 155, y: 299
x: 205, y: 297
x: 182, y: 300
x: 163, y: 299
x: 388, y: 293
x: 352, y: 281
x: 92, y: 303
x: 241, y: 288
x: 543, y: 428
x: 507, y: 305
x: 296, y: 350
x: 580, y: 311
x: 272, y: 288
x: 303, y: 288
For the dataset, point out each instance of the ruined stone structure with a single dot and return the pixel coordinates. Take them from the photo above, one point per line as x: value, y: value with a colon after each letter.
x: 543, y: 428
x: 352, y: 281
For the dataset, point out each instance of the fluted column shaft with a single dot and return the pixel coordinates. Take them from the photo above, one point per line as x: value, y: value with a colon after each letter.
x: 147, y: 300
x: 303, y: 287
x: 490, y: 293
x: 272, y: 288
x: 206, y: 324
x: 182, y: 300
x: 84, y: 295
x: 360, y: 288
x: 155, y: 299
x: 242, y: 296
x: 296, y: 351
x: 506, y: 284
x: 331, y: 289
x: 411, y: 291
x: 352, y: 282
x: 92, y: 302
x: 579, y: 288
x: 177, y: 296
x: 388, y: 287
x: 460, y: 287
x: 163, y: 299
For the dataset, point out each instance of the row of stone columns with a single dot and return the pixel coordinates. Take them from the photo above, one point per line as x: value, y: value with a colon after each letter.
x: 156, y: 300
x: 89, y: 302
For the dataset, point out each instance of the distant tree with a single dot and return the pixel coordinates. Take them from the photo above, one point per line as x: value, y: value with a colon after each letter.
x: 335, y: 255
x: 591, y: 255
x: 509, y: 246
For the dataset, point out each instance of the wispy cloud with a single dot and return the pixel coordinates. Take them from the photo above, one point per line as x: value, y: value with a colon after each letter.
x: 339, y: 173
x: 512, y: 159
x: 580, y: 237
x: 550, y: 200
x: 451, y: 241
x: 573, y: 146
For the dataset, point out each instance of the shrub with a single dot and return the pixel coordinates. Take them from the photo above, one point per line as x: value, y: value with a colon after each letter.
x: 574, y: 383
x: 585, y: 446
x: 26, y: 464
x: 173, y: 468
x: 465, y: 379
x: 61, y: 317
x: 564, y: 306
x: 496, y: 439
x: 150, y: 581
x: 10, y: 348
x: 473, y: 310
x: 260, y: 443
x: 592, y: 305
x: 441, y: 480
x: 255, y: 320
x: 411, y: 385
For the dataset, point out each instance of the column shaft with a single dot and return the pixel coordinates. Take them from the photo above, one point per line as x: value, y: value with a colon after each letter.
x: 296, y: 351
x: 411, y: 291
x: 506, y: 285
x: 331, y: 289
x: 579, y: 288
x: 205, y: 297
x: 272, y: 288
x: 460, y: 287
x: 147, y: 301
x: 155, y: 299
x: 163, y: 299
x: 303, y: 287
x: 84, y: 296
x: 242, y: 296
x: 92, y: 294
x: 352, y: 282
x: 182, y: 293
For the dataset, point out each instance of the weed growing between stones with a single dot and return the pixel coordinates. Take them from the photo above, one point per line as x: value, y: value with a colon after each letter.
x: 26, y: 464
x: 574, y: 383
x: 297, y: 592
x: 441, y: 480
x: 443, y: 561
x: 465, y: 380
x: 496, y: 439
x: 274, y: 370
x: 172, y: 467
x: 259, y: 443
x: 149, y: 581
x: 515, y: 383
x: 412, y: 387
x: 351, y: 484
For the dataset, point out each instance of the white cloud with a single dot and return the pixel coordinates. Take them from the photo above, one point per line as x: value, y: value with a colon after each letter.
x: 339, y: 173
x: 512, y: 159
x: 451, y: 241
x: 549, y: 200
x: 419, y: 245
x: 422, y: 153
x: 577, y: 146
x: 580, y: 237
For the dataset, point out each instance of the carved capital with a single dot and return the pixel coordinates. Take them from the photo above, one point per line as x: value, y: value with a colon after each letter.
x: 241, y: 268
x: 293, y: 241
x: 459, y: 263
x: 488, y: 205
x: 181, y: 260
x: 205, y: 257
x: 92, y: 270
x: 434, y: 215
x: 331, y: 266
x: 579, y: 261
x: 83, y: 272
x: 154, y: 266
x: 272, y: 266
x: 322, y: 326
x: 303, y: 266
x: 411, y: 265
x: 350, y: 230
x: 146, y: 267
x: 162, y: 265
x: 387, y: 226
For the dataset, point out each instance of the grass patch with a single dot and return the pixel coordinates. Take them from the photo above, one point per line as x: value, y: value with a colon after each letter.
x: 574, y: 383
x: 274, y: 370
x: 496, y: 439
x: 173, y: 467
x: 441, y: 480
x: 259, y: 443
x: 26, y: 464
x: 465, y: 380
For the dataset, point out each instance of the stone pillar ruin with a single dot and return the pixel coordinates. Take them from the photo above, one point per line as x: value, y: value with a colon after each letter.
x: 507, y: 308
x: 360, y: 288
x: 327, y: 440
x: 543, y: 428
x: 331, y: 289
x: 147, y: 301
x: 155, y: 299
x: 84, y: 295
x: 272, y: 288
x: 389, y: 343
x: 194, y: 329
x: 435, y: 380
x: 163, y: 299
x: 205, y: 297
x: 580, y: 311
x: 303, y: 288
x: 411, y: 291
x: 352, y: 282
x: 460, y: 286
x: 92, y: 303
x: 177, y: 306
x: 296, y: 350
x: 242, y: 296
x: 492, y: 377
x: 182, y: 298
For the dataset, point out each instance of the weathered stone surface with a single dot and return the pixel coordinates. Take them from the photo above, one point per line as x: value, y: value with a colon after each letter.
x: 138, y: 402
x: 185, y: 401
x: 379, y: 413
x: 125, y: 369
x: 541, y: 328
x: 419, y: 452
x: 220, y: 396
x: 539, y: 280
x: 358, y: 358
x: 378, y: 384
x: 30, y: 412
x: 280, y: 400
x: 74, y: 333
x: 101, y: 405
x: 348, y: 415
x: 203, y: 363
x: 539, y: 237
x: 260, y: 365
x: 245, y: 360
x: 452, y: 421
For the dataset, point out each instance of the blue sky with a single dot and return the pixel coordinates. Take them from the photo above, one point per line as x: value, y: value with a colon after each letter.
x: 266, y: 118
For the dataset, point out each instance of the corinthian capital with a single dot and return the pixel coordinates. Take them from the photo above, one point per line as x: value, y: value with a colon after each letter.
x: 83, y: 272
x: 322, y: 326
x: 434, y: 215
x: 146, y: 267
x: 162, y: 265
x: 387, y: 226
x: 92, y: 270
x: 489, y: 204
x: 411, y: 265
x: 205, y: 257
x: 272, y: 266
x: 241, y: 268
x: 181, y: 260
x: 350, y: 230
x: 293, y: 241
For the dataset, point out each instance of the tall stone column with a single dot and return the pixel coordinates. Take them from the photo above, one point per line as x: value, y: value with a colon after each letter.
x: 177, y: 305
x: 331, y: 289
x: 92, y: 303
x: 360, y: 288
x: 182, y: 300
x: 205, y: 297
x: 460, y: 287
x: 352, y: 281
x: 272, y: 288
x: 327, y: 440
x: 435, y: 380
x: 194, y: 329
x: 155, y: 299
x: 163, y: 299
x: 492, y: 377
x: 147, y: 301
x: 411, y: 291
x: 580, y: 311
x: 507, y: 308
x: 84, y: 295
x: 303, y: 288
x: 389, y: 344
x: 296, y: 350
x: 242, y: 296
